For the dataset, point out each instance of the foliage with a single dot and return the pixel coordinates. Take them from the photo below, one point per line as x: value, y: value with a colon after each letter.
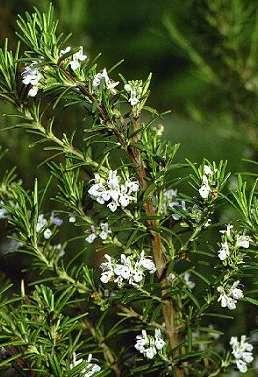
x: 121, y: 277
x: 222, y: 50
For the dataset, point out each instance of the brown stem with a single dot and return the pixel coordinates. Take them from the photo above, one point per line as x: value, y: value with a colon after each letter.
x: 158, y: 252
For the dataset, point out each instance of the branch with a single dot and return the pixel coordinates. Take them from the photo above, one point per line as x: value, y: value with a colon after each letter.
x: 110, y: 357
x: 158, y: 250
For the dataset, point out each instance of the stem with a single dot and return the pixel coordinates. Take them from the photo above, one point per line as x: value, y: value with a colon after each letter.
x: 68, y: 148
x: 61, y: 273
x: 108, y: 354
x: 158, y: 251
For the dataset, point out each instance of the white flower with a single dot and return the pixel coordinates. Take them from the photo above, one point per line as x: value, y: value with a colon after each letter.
x: 134, y: 88
x: 105, y: 231
x: 33, y: 91
x: 132, y: 186
x: 150, y: 352
x: 228, y: 298
x: 112, y: 206
x: 141, y: 341
x: 103, y: 78
x: 223, y: 252
x: 108, y: 270
x: 47, y: 233
x: 190, y: 284
x: 149, y: 346
x: 125, y: 268
x: 129, y: 270
x: 231, y: 242
x: 241, y: 365
x: 106, y: 276
x: 72, y: 219
x: 133, y: 100
x: 242, y: 352
x: 90, y: 368
x: 3, y: 213
x: 42, y: 223
x: 225, y: 300
x: 159, y: 341
x: 32, y: 76
x: 100, y: 77
x: 207, y: 178
x: 102, y: 231
x: 113, y: 191
x: 236, y: 292
x: 227, y: 231
x: 204, y: 191
x: 147, y: 263
x: 124, y: 200
x: 91, y: 237
x: 207, y: 170
x: 65, y: 51
x: 77, y: 58
x: 208, y: 223
x: 138, y: 276
x: 243, y: 241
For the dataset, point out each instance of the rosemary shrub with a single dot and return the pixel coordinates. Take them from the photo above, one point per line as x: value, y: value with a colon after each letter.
x: 123, y: 276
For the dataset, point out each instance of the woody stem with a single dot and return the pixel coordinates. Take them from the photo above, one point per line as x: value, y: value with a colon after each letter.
x: 158, y: 251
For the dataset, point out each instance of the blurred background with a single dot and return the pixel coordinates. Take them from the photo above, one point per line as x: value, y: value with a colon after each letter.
x: 203, y: 55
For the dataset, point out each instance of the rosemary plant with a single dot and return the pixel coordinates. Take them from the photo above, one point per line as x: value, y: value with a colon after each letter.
x: 122, y: 277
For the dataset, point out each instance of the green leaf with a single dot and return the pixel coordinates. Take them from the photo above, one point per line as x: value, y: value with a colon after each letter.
x: 251, y: 300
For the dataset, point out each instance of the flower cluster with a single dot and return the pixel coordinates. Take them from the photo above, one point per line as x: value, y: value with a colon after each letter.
x: 148, y: 345
x: 102, y: 232
x: 242, y: 352
x: 130, y: 270
x: 135, y: 89
x: 231, y: 241
x: 113, y: 191
x: 77, y: 58
x: 229, y: 296
x: 32, y: 76
x: 43, y: 225
x: 89, y: 370
x: 102, y: 78
x: 207, y: 181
